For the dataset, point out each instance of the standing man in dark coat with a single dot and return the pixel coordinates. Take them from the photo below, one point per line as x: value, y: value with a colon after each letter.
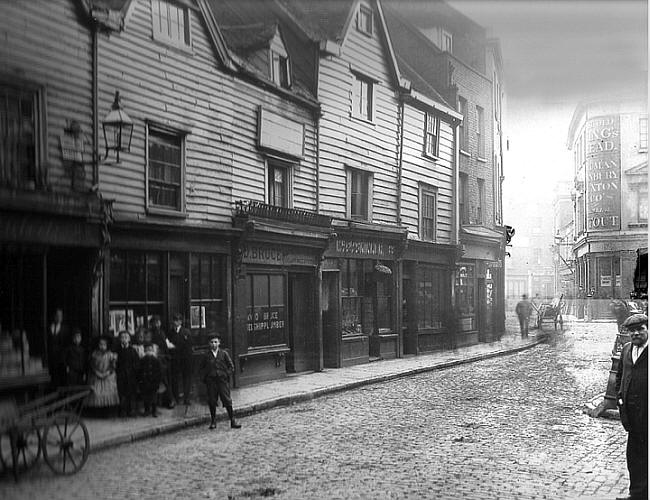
x: 632, y: 397
x: 215, y: 369
x: 58, y: 340
x: 524, y: 309
x: 182, y: 340
x: 158, y: 337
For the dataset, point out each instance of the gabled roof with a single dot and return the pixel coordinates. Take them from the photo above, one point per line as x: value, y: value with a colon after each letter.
x: 640, y: 169
x: 321, y: 19
x: 250, y: 37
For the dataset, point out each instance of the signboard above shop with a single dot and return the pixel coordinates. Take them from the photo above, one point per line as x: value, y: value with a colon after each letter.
x: 279, y: 134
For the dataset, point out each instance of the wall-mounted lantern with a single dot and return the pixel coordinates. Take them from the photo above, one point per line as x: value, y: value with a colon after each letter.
x: 118, y: 129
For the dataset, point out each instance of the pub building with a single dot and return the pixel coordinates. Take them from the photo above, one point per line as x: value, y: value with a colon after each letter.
x: 276, y: 291
x: 360, y: 294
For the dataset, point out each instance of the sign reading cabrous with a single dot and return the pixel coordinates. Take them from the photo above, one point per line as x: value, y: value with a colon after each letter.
x: 280, y: 134
x: 603, y: 173
x: 268, y: 254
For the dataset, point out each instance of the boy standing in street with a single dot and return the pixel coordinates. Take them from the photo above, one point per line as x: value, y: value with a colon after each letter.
x: 149, y: 376
x: 215, y: 369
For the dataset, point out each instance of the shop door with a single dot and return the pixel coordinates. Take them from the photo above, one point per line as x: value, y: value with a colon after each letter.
x: 331, y: 326
x: 302, y: 338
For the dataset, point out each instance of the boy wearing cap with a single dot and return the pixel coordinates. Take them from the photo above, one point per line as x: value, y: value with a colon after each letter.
x: 215, y: 369
x: 632, y: 397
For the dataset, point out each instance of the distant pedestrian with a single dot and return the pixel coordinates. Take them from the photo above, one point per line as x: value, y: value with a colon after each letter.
x: 524, y: 309
x: 632, y: 398
x: 58, y: 340
x: 149, y: 377
x: 182, y: 340
x: 215, y: 368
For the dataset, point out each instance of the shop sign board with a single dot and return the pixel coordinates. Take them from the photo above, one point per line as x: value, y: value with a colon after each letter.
x: 603, y: 173
x: 280, y: 134
x: 360, y: 248
x: 267, y: 254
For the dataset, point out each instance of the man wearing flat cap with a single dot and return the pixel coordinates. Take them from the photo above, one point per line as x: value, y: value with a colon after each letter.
x: 215, y: 369
x: 632, y: 397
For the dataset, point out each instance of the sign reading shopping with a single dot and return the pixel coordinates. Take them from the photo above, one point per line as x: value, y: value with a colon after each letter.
x: 603, y: 173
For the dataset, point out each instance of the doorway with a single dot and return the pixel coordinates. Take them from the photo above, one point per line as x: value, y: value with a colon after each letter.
x: 302, y: 338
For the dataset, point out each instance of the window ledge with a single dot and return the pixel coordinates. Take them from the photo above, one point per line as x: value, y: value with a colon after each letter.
x: 637, y: 224
x: 165, y: 212
x: 265, y: 351
x: 482, y: 160
x: 363, y: 120
x: 171, y: 44
x: 465, y: 153
x: 433, y: 158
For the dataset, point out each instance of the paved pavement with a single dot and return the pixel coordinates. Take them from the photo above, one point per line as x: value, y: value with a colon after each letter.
x: 506, y: 427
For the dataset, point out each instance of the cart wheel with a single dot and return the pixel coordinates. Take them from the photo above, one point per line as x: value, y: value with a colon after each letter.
x: 20, y: 449
x: 65, y: 443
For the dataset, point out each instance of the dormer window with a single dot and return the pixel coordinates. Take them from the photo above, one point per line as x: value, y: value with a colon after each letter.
x: 171, y: 23
x: 280, y: 69
x: 364, y: 20
x: 447, y: 41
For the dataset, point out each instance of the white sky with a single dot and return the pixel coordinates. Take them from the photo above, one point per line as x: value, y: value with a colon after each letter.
x: 557, y: 53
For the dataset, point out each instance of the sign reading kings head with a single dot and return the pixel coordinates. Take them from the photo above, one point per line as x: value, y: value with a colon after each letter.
x: 603, y: 173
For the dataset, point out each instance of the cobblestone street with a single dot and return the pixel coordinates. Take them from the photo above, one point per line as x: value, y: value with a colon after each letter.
x: 510, y: 427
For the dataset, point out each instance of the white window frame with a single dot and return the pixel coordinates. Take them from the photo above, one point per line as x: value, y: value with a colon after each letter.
x: 277, y: 60
x: 37, y: 94
x: 480, y: 132
x: 463, y: 195
x: 361, y: 99
x: 431, y: 135
x: 643, y: 134
x: 463, y: 136
x: 272, y: 164
x: 365, y: 20
x: 369, y: 177
x: 446, y: 41
x: 165, y: 35
x: 153, y: 128
x: 432, y: 191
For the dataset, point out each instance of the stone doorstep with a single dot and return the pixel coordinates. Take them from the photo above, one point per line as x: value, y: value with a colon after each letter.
x: 287, y: 400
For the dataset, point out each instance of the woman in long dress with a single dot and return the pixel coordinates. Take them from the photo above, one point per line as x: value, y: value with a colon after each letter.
x: 102, y: 377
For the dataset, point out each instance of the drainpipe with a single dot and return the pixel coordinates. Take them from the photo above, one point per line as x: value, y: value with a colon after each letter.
x: 400, y: 146
x: 95, y: 91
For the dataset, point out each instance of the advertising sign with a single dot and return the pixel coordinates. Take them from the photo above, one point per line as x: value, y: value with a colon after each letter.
x: 603, y: 173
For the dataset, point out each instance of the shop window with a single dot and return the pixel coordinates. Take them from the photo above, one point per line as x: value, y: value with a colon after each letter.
x: 165, y: 169
x: 359, y: 194
x: 266, y: 311
x: 480, y: 132
x: 356, y: 303
x: 362, y: 98
x: 136, y: 289
x: 171, y: 23
x: 280, y: 69
x: 466, y: 297
x: 206, y: 294
x: 430, y: 298
x: 21, y: 120
x: 462, y: 128
x: 279, y: 182
x: 428, y: 197
x: 431, y: 134
x: 364, y: 20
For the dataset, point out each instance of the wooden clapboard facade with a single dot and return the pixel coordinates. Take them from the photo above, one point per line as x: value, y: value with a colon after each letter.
x: 50, y: 222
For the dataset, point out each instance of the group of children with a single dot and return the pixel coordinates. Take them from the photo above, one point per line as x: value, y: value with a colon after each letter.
x: 117, y: 377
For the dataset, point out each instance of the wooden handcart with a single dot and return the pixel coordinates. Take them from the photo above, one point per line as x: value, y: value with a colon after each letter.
x: 551, y: 312
x: 51, y: 425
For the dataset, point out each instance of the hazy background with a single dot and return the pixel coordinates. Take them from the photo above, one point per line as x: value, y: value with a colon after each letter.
x: 557, y: 53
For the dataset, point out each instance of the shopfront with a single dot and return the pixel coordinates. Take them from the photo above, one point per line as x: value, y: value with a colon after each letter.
x: 360, y: 297
x: 276, y: 292
x: 162, y: 272
x: 47, y: 262
x: 427, y: 276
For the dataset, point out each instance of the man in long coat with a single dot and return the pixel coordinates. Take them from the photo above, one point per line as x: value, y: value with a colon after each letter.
x: 632, y: 397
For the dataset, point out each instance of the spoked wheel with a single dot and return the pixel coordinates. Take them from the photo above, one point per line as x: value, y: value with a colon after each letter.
x: 20, y: 449
x: 66, y: 443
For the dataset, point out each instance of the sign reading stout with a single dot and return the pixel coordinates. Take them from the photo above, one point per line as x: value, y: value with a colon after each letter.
x: 603, y: 173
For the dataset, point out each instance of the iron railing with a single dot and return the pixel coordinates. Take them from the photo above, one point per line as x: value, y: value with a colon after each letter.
x: 294, y: 215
